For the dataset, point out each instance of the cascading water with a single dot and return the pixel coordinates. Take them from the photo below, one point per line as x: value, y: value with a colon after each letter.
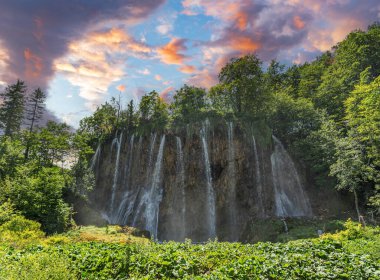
x: 290, y: 197
x: 259, y: 185
x: 141, y: 197
x: 154, y: 195
x: 211, y: 218
x: 181, y: 188
x: 95, y: 158
x: 231, y: 183
x: 125, y: 207
x: 185, y: 203
x: 118, y: 143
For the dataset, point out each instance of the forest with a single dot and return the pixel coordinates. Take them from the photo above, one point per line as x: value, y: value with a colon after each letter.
x: 326, y: 112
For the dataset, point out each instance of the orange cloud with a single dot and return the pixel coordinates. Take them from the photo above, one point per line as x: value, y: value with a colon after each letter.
x: 243, y: 44
x: 158, y: 77
x: 188, y: 69
x: 33, y: 64
x: 121, y: 88
x: 117, y: 40
x: 242, y: 20
x: 298, y: 22
x: 171, y: 52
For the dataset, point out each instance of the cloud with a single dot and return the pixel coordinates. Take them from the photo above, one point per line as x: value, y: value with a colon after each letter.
x: 35, y: 33
x: 121, y: 88
x: 187, y: 69
x: 271, y: 28
x: 96, y: 61
x: 171, y: 53
x: 158, y: 77
x: 166, y: 93
x: 145, y: 71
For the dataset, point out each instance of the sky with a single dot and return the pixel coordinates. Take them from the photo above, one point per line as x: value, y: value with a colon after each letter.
x: 83, y: 52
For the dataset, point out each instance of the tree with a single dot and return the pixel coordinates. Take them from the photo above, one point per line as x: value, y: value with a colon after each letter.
x: 131, y: 119
x: 350, y: 168
x: 100, y: 125
x: 241, y: 87
x: 352, y: 56
x: 363, y: 116
x: 38, y: 195
x: 12, y: 109
x: 34, y: 111
x: 153, y: 112
x: 189, y: 103
x: 54, y: 144
x: 275, y: 75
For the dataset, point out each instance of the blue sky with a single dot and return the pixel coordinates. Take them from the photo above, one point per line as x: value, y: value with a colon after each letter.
x: 84, y: 52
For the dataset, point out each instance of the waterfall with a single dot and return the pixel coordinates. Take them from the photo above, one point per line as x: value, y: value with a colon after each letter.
x: 231, y: 182
x: 140, y: 198
x: 95, y: 158
x: 180, y: 168
x: 290, y: 197
x: 154, y: 195
x: 259, y: 185
x: 211, y: 220
x: 117, y: 142
x: 125, y: 206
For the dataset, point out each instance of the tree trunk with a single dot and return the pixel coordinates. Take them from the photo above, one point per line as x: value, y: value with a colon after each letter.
x: 360, y: 217
x: 357, y: 205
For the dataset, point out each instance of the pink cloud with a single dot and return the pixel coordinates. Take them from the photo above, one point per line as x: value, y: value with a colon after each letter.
x: 187, y: 69
x: 171, y: 53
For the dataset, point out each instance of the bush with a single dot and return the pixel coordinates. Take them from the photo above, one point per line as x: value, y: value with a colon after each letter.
x: 39, y: 265
x: 20, y: 230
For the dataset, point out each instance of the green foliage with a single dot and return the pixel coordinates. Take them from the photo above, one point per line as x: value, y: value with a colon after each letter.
x: 7, y: 212
x: 12, y: 108
x: 352, y: 56
x: 19, y: 231
x: 37, y: 194
x: 242, y: 88
x: 153, y: 112
x: 189, y: 104
x: 35, y: 265
x: 293, y: 119
x: 324, y: 258
x: 100, y: 125
x: 11, y: 155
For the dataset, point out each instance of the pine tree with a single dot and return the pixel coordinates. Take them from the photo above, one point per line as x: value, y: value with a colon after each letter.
x: 35, y: 108
x: 34, y: 111
x: 12, y: 108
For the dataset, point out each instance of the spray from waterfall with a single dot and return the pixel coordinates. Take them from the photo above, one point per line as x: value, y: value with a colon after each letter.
x: 290, y: 197
x: 211, y: 219
x: 231, y: 183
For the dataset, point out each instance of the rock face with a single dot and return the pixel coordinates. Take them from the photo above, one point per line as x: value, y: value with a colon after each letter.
x: 201, y: 182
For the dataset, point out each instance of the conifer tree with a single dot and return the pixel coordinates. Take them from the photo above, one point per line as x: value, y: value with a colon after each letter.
x: 34, y: 111
x: 12, y: 108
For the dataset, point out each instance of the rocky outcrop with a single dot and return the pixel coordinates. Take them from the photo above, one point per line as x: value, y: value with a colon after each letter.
x: 204, y: 181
